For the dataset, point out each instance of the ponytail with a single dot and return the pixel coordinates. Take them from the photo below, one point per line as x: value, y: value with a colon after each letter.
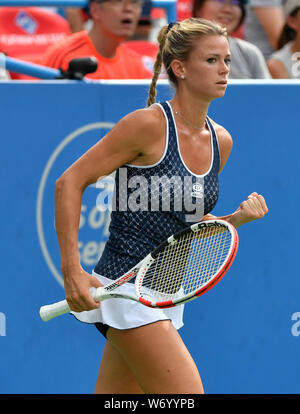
x: 157, y: 65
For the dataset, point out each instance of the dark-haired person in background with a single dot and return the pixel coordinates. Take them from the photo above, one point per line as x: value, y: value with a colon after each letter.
x: 247, y: 62
x: 285, y: 62
x: 78, y: 18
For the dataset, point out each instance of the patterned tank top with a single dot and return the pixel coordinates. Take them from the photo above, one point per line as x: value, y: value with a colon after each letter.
x: 154, y: 201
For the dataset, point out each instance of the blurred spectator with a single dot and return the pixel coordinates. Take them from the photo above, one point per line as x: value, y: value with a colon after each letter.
x: 78, y: 19
x: 141, y: 41
x: 144, y: 25
x: 263, y: 24
x: 184, y: 9
x: 247, y: 62
x: 113, y: 22
x: 285, y: 62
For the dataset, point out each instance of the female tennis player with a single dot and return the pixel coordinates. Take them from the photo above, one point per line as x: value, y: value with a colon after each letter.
x: 176, y: 139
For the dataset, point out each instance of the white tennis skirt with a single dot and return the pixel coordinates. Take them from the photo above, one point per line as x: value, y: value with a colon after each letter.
x: 126, y: 313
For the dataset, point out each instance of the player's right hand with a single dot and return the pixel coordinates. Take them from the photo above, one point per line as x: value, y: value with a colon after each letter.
x: 78, y: 291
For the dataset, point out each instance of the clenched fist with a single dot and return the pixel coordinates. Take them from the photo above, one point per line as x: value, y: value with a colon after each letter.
x: 253, y: 208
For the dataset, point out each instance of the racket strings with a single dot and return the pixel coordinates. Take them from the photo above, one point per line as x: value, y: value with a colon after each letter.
x: 188, y: 264
x: 213, y: 255
x: 165, y: 277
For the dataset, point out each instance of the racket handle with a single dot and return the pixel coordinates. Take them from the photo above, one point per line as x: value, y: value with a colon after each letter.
x: 48, y: 312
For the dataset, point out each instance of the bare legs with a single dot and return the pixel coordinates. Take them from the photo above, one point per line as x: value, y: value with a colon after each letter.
x: 151, y: 359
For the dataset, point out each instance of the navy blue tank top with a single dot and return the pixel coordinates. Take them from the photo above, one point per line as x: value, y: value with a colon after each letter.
x: 154, y: 201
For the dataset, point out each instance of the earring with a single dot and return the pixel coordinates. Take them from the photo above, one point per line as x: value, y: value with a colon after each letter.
x: 182, y: 76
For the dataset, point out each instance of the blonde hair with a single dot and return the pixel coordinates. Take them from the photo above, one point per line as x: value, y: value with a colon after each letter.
x: 176, y: 41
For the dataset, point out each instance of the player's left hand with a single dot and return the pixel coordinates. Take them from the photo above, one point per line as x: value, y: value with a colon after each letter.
x: 253, y: 208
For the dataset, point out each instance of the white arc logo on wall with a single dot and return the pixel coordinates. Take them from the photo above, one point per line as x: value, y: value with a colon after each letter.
x: 92, y: 218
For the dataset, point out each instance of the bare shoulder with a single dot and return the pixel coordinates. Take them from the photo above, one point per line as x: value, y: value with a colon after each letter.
x: 151, y: 119
x: 135, y: 136
x: 144, y: 125
x: 277, y: 69
x: 224, y: 137
x: 225, y: 143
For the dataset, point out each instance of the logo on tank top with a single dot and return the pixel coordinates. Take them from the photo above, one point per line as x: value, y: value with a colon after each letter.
x: 198, y: 191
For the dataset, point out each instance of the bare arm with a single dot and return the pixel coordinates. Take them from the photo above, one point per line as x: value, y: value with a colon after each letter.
x: 75, y: 19
x: 253, y: 208
x: 121, y: 145
x: 272, y: 20
x: 225, y: 145
x: 277, y: 69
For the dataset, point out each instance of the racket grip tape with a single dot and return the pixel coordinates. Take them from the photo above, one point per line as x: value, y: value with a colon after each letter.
x: 48, y: 312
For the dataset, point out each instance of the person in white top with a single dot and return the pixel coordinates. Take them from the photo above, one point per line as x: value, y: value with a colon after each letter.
x: 263, y: 24
x: 285, y: 61
x: 247, y: 61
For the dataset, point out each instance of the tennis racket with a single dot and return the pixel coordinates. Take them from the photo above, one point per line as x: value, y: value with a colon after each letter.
x: 185, y: 266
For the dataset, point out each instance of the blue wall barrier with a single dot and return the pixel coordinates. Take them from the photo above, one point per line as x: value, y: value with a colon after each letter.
x: 30, y: 69
x: 168, y: 5
x: 244, y: 334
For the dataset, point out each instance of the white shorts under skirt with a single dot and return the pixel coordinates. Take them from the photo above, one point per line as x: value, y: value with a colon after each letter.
x: 126, y: 313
